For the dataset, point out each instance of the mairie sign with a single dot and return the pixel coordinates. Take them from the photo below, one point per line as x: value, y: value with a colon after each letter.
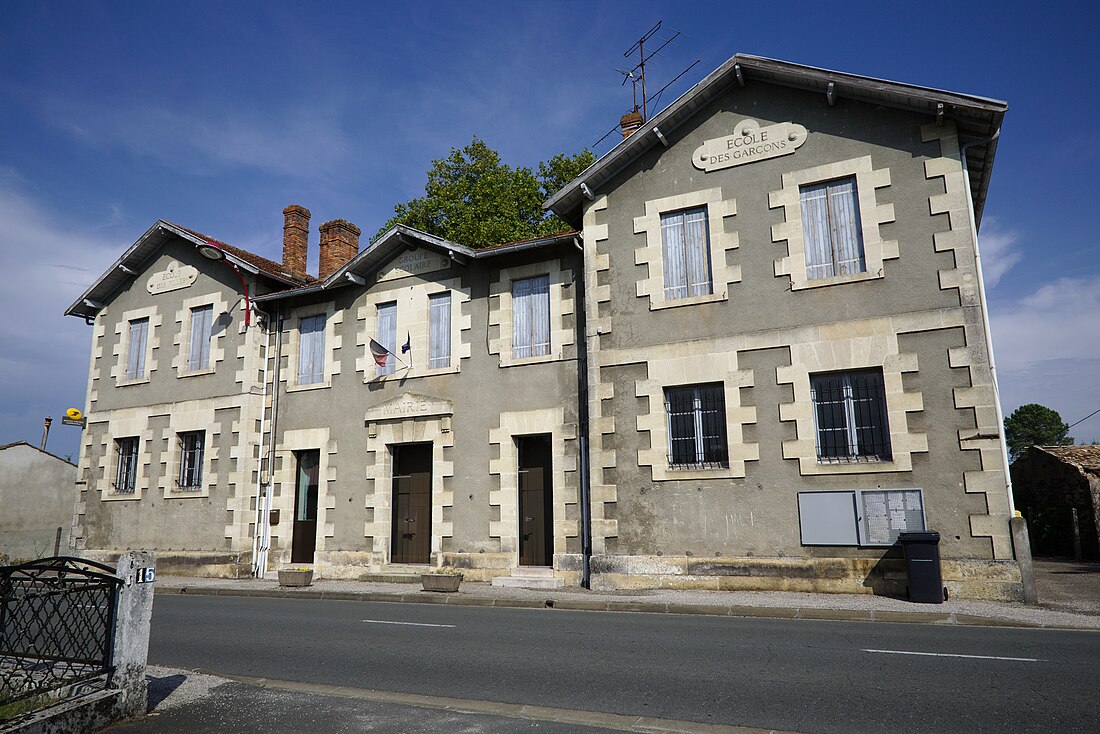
x: 748, y: 144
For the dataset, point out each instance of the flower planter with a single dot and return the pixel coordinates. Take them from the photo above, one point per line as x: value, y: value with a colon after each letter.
x: 296, y: 577
x: 440, y: 581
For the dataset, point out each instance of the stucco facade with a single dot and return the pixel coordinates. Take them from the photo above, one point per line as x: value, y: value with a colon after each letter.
x: 756, y: 336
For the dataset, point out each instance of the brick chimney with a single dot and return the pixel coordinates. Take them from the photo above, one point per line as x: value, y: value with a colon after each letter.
x: 630, y: 122
x: 339, y: 243
x: 295, y: 239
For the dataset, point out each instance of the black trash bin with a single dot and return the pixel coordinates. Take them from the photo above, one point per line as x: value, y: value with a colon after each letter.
x: 922, y: 566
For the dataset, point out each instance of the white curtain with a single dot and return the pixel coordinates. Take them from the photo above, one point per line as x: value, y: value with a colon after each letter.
x: 135, y: 359
x: 686, y: 253
x: 439, y: 330
x: 201, y: 323
x: 387, y: 335
x: 844, y: 213
x: 311, y: 350
x: 531, y: 317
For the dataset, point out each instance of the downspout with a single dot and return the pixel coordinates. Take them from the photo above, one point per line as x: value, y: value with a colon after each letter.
x: 265, y: 541
x: 985, y: 316
x: 264, y: 321
x: 582, y: 413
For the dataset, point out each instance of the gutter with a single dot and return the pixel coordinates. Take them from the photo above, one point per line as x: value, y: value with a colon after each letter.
x: 260, y: 493
x: 991, y: 141
x: 582, y: 415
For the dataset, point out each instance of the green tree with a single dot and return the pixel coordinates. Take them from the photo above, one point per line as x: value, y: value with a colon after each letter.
x: 1034, y: 425
x: 475, y: 199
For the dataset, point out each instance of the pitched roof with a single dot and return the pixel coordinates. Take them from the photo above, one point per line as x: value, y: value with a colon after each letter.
x: 1083, y: 457
x: 133, y: 260
x: 976, y: 118
x: 32, y: 446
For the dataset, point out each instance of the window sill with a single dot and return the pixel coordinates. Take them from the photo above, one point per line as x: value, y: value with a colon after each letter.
x: 196, y: 373
x: 111, y: 496
x: 520, y: 361
x: 689, y: 301
x: 836, y: 280
x: 856, y: 467
x: 127, y: 383
x: 310, y: 386
x: 182, y: 494
x: 672, y: 474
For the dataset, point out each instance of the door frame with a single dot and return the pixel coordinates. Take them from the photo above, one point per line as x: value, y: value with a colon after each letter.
x: 394, y: 450
x: 548, y: 498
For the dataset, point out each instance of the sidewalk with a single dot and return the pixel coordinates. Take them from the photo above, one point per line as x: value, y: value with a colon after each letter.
x: 775, y: 604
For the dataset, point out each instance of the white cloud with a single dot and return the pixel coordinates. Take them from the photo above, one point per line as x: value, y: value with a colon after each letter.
x: 1047, y: 346
x: 999, y: 251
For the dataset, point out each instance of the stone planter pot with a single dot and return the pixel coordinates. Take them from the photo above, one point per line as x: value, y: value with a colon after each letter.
x: 296, y: 577
x: 440, y: 581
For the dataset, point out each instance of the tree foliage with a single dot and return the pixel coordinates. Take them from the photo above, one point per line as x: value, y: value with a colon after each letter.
x: 1034, y: 425
x: 473, y: 198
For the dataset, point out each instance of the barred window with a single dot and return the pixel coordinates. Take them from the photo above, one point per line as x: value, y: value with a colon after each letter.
x: 850, y: 413
x: 387, y: 335
x: 531, y: 317
x: 697, y: 426
x: 311, y: 350
x: 201, y: 324
x: 192, y: 444
x: 439, y: 326
x: 831, y: 228
x: 135, y: 356
x: 686, y: 253
x: 126, y: 451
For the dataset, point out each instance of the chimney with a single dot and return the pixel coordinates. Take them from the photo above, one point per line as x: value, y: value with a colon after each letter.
x: 295, y: 239
x: 339, y: 243
x: 630, y: 122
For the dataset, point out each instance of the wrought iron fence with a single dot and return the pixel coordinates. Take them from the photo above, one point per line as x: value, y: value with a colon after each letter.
x: 57, y: 622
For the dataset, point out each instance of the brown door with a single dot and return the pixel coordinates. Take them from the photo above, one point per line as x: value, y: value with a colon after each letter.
x: 412, y: 503
x: 536, y: 495
x: 304, y: 537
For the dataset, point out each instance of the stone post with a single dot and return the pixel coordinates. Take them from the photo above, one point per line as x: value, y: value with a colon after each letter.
x: 1021, y: 543
x: 137, y: 569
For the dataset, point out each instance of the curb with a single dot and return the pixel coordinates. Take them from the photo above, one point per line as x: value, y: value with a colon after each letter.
x: 593, y: 605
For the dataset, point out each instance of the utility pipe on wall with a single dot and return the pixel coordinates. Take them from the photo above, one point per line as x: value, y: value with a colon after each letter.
x: 262, y: 321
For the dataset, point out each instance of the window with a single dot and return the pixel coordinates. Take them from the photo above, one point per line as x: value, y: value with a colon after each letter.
x: 859, y: 516
x: 850, y: 413
x: 192, y: 444
x: 135, y: 357
x: 831, y: 228
x: 697, y: 426
x: 201, y: 324
x: 531, y: 317
x: 126, y: 450
x: 311, y: 350
x: 387, y: 335
x: 686, y: 253
x: 439, y: 330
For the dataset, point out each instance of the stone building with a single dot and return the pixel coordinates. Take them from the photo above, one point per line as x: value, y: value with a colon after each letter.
x: 762, y: 354
x: 1056, y: 486
x: 36, y: 501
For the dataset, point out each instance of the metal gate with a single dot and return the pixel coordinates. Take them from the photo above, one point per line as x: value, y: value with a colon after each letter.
x: 57, y: 625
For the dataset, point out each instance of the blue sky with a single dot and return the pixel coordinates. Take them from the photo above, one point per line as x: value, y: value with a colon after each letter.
x: 217, y: 115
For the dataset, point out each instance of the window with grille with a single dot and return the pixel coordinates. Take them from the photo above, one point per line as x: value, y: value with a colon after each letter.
x: 850, y: 413
x: 126, y: 451
x: 192, y: 445
x: 697, y: 426
x: 201, y: 324
x: 439, y: 330
x: 531, y: 317
x: 311, y: 350
x: 686, y: 247
x: 387, y: 335
x: 135, y: 356
x: 831, y: 229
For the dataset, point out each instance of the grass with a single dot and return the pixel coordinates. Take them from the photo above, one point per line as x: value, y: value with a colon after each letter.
x: 18, y: 708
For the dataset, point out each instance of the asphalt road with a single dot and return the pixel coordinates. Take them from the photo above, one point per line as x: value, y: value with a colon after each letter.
x: 787, y: 674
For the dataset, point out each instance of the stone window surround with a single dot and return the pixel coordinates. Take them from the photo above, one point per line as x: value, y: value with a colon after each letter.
x: 122, y: 344
x: 333, y: 317
x: 285, y: 476
x: 670, y: 366
x: 651, y: 254
x: 561, y: 305
x: 506, y: 497
x: 413, y: 319
x: 871, y: 213
x: 382, y: 435
x: 183, y: 334
x: 834, y: 353
x: 125, y: 425
x: 196, y: 418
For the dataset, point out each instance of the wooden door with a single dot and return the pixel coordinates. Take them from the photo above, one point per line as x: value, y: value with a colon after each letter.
x: 536, y: 496
x: 411, y: 538
x: 304, y: 537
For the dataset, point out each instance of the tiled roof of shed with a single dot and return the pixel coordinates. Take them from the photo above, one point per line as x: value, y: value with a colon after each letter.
x: 1083, y: 457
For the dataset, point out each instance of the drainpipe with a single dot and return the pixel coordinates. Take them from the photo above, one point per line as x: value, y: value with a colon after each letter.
x: 265, y: 321
x: 582, y: 414
x: 985, y: 316
x: 273, y: 423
